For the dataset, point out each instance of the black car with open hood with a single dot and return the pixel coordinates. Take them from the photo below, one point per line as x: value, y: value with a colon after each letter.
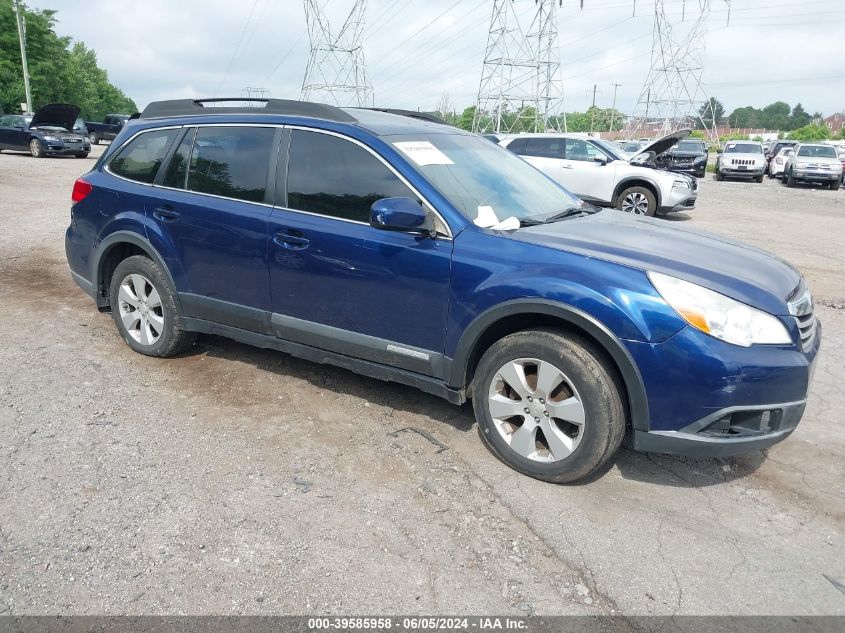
x: 688, y: 156
x: 49, y: 132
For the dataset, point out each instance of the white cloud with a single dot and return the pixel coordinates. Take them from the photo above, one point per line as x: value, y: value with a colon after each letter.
x: 163, y: 49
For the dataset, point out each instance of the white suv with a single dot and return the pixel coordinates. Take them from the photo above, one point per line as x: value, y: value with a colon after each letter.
x: 814, y: 162
x: 601, y: 173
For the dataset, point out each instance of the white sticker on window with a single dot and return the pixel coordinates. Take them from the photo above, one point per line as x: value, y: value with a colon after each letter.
x: 423, y: 153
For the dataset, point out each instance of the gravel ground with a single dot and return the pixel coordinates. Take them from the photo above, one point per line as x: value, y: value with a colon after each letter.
x: 239, y: 481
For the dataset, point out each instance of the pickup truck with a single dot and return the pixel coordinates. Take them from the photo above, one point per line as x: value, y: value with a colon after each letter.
x: 106, y: 131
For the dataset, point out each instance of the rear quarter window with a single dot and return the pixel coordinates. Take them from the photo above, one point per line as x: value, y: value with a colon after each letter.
x: 141, y: 158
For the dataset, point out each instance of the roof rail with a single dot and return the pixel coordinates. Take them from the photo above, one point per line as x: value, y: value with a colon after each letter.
x: 188, y: 107
x: 414, y: 114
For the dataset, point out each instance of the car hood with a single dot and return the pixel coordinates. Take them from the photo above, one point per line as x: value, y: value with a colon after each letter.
x: 824, y: 160
x: 61, y: 115
x: 662, y: 144
x: 740, y: 271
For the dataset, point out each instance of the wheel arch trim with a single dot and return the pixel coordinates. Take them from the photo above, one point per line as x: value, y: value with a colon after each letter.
x: 609, y: 342
x: 629, y: 181
x: 116, y: 239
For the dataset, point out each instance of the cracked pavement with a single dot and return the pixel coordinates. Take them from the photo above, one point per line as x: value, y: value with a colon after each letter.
x: 234, y: 480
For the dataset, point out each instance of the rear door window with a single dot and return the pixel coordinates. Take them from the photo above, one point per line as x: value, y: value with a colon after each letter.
x: 543, y: 148
x: 141, y: 158
x: 232, y: 162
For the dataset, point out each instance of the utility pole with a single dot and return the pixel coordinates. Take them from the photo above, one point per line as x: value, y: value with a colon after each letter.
x: 613, y: 107
x: 22, y: 37
x: 593, y: 108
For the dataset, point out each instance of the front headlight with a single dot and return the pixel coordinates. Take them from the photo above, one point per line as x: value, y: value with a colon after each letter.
x: 718, y: 315
x: 49, y: 137
x: 681, y: 184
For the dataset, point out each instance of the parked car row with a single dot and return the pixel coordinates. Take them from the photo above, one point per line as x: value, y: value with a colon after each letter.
x: 56, y: 130
x: 792, y: 162
x: 415, y: 252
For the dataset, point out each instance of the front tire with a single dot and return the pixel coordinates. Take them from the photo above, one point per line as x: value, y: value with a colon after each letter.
x: 145, y: 311
x: 637, y: 200
x: 82, y: 155
x: 548, y: 405
x: 95, y: 140
x: 790, y: 179
x: 759, y: 178
x: 719, y: 175
x: 36, y: 148
x: 834, y: 186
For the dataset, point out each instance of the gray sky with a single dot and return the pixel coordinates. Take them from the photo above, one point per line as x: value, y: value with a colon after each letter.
x: 417, y: 50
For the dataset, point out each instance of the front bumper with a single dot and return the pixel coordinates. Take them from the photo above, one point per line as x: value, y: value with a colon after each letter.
x: 60, y: 148
x: 680, y: 199
x: 816, y: 176
x: 709, y: 398
x: 751, y: 172
x: 727, y: 432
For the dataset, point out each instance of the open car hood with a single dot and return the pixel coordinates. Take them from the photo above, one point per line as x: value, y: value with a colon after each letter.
x: 56, y: 114
x: 663, y: 144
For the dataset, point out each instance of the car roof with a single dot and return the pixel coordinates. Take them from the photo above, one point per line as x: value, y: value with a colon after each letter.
x: 379, y: 122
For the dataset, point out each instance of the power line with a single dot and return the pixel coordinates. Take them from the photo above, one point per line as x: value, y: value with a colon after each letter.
x: 237, y: 47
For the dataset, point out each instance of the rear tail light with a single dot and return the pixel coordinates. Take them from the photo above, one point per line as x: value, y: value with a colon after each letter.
x: 81, y: 189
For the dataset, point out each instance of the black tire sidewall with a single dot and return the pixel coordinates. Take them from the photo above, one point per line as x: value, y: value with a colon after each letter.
x: 597, y: 390
x: 652, y: 199
x: 146, y: 267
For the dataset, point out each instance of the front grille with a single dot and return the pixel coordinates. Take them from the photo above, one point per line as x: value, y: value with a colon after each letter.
x: 742, y: 161
x: 801, y: 309
x: 71, y: 140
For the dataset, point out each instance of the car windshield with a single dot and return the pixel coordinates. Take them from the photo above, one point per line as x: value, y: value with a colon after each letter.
x: 743, y: 148
x: 484, y: 181
x: 817, y: 151
x: 689, y: 146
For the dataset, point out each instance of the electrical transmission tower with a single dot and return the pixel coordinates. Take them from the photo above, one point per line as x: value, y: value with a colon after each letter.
x: 520, y: 81
x: 673, y: 96
x: 336, y: 73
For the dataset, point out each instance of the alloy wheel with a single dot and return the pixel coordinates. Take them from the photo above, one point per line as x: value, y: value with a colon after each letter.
x: 636, y: 203
x: 35, y: 147
x: 536, y: 409
x: 141, y: 311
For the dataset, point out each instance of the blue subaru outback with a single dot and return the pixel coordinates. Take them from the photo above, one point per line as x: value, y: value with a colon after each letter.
x: 407, y: 250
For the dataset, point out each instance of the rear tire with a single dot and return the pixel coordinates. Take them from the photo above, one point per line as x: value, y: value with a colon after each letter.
x: 637, y: 200
x: 576, y: 416
x: 145, y: 310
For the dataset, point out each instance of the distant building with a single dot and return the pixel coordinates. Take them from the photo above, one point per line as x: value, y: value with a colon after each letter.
x: 835, y: 123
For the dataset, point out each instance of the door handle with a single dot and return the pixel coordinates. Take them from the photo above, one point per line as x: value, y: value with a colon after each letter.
x: 567, y: 166
x: 165, y: 214
x: 291, y: 240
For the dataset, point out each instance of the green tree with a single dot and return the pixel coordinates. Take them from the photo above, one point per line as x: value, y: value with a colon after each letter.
x: 712, y: 113
x: 799, y: 118
x: 466, y: 118
x: 58, y: 72
x: 775, y: 116
x: 748, y: 116
x: 810, y: 133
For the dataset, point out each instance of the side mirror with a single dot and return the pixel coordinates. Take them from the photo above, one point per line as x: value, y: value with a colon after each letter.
x: 601, y: 159
x: 401, y: 214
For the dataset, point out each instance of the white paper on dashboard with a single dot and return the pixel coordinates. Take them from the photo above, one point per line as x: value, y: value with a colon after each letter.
x: 488, y: 219
x: 423, y: 153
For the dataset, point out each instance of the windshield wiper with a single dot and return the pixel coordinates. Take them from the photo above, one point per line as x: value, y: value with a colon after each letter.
x: 567, y: 213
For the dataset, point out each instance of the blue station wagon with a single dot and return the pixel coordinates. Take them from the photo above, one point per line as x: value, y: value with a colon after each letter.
x: 410, y: 251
